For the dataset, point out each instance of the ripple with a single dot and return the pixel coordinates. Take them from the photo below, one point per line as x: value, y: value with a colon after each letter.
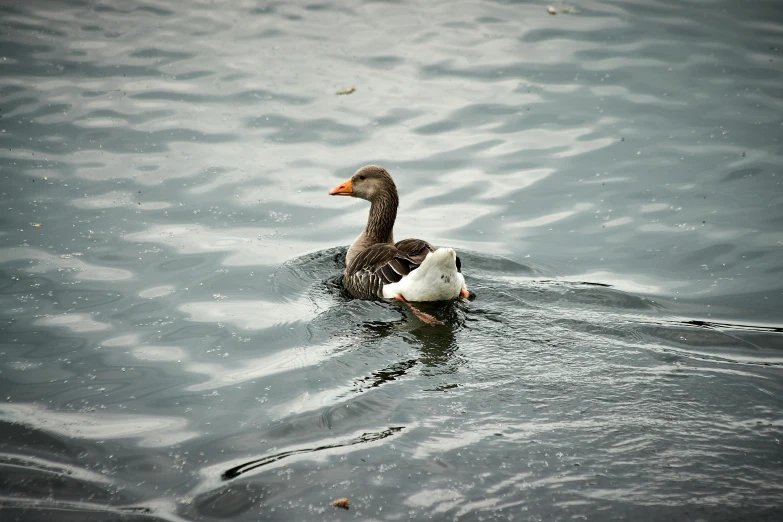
x: 159, y: 353
x: 221, y: 375
x: 236, y: 471
x: 247, y: 246
x: 248, y: 314
x: 47, y: 262
x: 151, y: 431
x: 74, y: 322
x: 552, y: 218
x: 157, y: 291
x: 116, y: 199
x: 289, y: 130
x: 636, y: 284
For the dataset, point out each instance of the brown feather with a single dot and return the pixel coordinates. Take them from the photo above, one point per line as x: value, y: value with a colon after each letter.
x: 375, y: 267
x: 390, y: 274
x: 416, y: 249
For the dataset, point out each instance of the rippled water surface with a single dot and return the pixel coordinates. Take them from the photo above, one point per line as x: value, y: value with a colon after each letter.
x: 174, y: 340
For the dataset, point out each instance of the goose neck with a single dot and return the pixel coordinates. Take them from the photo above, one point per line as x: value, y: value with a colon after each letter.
x: 380, y: 222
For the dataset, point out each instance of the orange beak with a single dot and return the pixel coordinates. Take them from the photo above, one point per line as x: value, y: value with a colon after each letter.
x: 464, y: 293
x: 343, y: 189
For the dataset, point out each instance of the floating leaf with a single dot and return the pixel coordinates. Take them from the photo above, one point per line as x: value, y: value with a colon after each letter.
x: 346, y: 91
x: 37, y: 225
x: 341, y: 503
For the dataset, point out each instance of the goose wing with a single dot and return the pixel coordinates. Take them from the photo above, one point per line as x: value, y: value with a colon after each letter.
x: 417, y: 249
x: 377, y: 266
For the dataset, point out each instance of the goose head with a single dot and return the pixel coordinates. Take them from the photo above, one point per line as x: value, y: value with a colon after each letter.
x: 370, y: 182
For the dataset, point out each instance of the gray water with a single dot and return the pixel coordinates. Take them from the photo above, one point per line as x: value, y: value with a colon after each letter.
x: 174, y: 340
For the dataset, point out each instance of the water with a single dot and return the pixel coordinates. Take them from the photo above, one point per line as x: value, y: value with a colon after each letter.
x: 175, y: 344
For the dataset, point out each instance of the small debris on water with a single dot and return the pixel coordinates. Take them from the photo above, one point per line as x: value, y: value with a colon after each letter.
x: 341, y: 503
x: 37, y: 225
x: 347, y: 91
x: 551, y: 10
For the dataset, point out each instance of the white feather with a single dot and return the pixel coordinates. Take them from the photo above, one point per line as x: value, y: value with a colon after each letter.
x: 436, y: 279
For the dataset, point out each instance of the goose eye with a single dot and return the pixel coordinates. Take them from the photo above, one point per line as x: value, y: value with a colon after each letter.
x: 362, y: 178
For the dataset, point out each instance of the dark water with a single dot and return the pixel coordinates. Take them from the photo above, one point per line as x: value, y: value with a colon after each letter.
x: 174, y: 341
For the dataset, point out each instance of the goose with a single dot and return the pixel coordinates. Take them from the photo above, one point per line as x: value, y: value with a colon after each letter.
x: 377, y: 267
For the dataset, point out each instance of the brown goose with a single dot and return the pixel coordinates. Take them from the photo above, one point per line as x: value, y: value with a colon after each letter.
x: 409, y: 270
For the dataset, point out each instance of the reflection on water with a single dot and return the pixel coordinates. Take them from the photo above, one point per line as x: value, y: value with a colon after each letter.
x: 175, y: 343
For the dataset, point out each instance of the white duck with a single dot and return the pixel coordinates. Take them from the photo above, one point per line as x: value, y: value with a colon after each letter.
x: 410, y: 270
